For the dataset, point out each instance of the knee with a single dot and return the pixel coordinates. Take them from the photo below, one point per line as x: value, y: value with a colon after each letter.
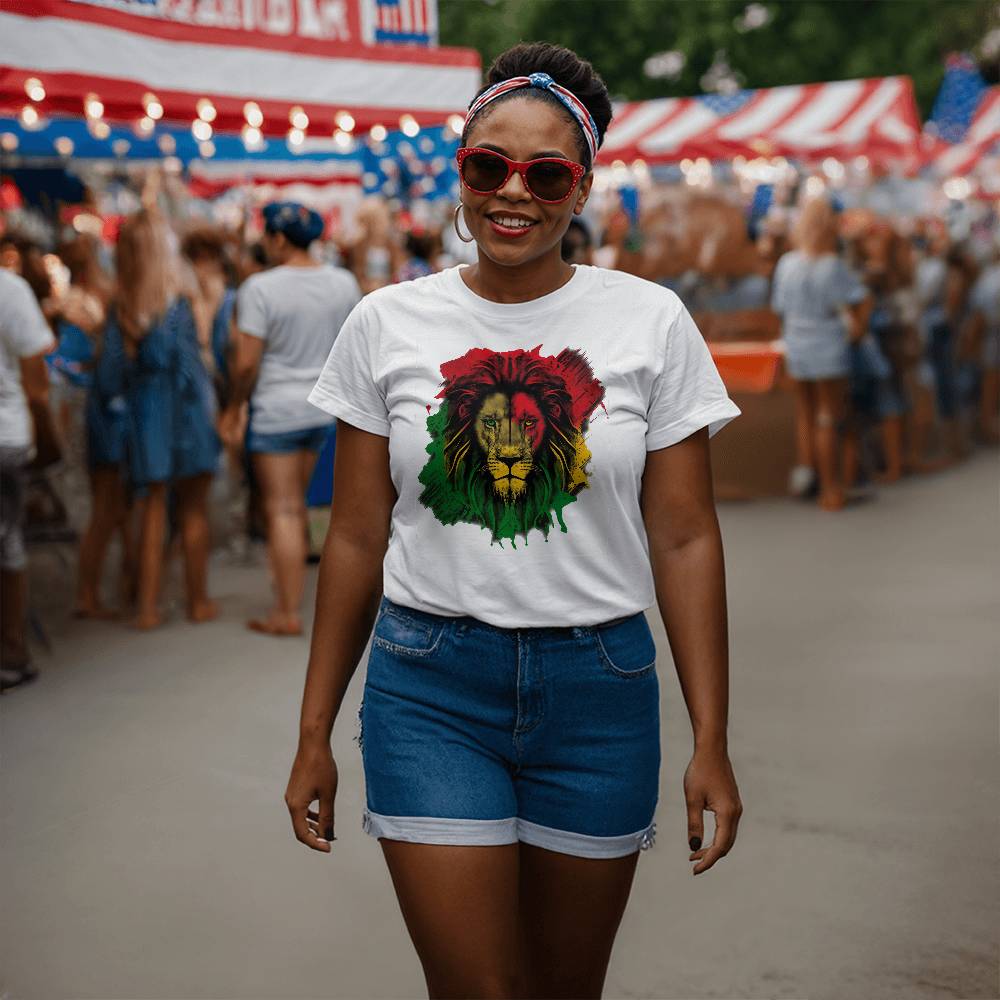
x: 285, y: 505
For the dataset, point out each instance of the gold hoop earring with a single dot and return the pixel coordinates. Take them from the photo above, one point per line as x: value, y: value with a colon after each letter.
x: 458, y: 208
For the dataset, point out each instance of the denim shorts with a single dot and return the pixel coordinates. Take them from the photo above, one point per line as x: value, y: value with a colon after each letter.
x: 285, y: 442
x: 479, y: 735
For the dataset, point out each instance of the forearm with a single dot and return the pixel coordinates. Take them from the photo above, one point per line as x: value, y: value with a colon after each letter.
x: 240, y: 386
x: 347, y: 597
x: 691, y: 593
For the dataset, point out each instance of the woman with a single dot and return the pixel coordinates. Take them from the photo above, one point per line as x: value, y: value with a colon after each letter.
x: 511, y: 705
x: 152, y: 357
x: 287, y: 319
x: 820, y: 302
x: 82, y: 313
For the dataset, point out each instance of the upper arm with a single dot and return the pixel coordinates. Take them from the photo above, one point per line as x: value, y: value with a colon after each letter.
x: 363, y: 492
x: 247, y: 352
x: 35, y: 377
x: 676, y: 496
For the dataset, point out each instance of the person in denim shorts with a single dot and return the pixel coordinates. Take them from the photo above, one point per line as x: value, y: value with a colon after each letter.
x: 287, y: 319
x: 522, y: 470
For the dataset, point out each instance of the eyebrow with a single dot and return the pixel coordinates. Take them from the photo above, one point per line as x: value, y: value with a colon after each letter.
x: 534, y: 156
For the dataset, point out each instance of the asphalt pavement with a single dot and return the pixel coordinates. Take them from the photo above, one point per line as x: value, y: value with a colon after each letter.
x: 147, y: 852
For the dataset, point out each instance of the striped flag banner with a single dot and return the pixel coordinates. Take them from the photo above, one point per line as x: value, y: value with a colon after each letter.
x: 309, y: 56
x: 404, y: 21
x: 872, y: 117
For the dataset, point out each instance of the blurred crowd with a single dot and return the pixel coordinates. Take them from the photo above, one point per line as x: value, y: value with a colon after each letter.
x: 151, y: 378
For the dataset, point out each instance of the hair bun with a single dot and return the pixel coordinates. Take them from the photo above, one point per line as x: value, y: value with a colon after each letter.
x: 565, y: 67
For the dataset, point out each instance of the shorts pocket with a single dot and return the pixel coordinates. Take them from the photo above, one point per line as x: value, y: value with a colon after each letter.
x: 627, y: 648
x: 407, y: 635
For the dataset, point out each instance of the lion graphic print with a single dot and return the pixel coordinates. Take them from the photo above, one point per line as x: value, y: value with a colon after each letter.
x: 508, y: 444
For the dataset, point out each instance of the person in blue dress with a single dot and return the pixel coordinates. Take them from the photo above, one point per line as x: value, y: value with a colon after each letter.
x: 823, y: 307
x: 153, y: 357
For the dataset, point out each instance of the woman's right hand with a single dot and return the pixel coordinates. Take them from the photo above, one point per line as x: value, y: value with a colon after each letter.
x: 314, y: 777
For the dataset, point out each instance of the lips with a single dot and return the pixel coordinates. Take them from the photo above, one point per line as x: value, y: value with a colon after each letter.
x: 511, y: 226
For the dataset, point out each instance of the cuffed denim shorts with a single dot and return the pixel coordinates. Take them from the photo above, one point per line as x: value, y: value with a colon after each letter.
x: 472, y: 734
x: 285, y: 442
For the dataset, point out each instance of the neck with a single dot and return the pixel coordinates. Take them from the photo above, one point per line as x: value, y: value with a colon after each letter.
x: 519, y: 282
x: 299, y: 258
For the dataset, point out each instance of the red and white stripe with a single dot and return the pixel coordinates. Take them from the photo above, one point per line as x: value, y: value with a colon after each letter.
x: 79, y: 48
x: 875, y: 117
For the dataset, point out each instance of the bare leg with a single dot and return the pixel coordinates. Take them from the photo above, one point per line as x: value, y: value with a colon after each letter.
x: 989, y: 406
x: 192, y: 497
x: 830, y: 401
x: 917, y: 429
x: 107, y: 506
x: 892, y: 445
x: 13, y: 616
x: 152, y: 530
x: 281, y: 481
x: 460, y: 908
x: 805, y: 407
x: 570, y: 911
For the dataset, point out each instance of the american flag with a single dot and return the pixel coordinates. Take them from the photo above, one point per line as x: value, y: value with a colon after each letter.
x: 958, y: 98
x: 404, y: 21
x: 965, y: 121
x: 872, y: 117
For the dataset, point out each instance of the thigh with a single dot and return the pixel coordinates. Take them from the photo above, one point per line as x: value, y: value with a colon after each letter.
x: 570, y: 910
x: 307, y: 463
x: 192, y: 491
x: 831, y: 396
x: 460, y: 907
x: 804, y: 397
x: 279, y: 476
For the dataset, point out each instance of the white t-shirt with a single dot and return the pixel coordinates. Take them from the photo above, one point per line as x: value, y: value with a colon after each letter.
x: 297, y: 312
x: 23, y: 333
x: 518, y: 435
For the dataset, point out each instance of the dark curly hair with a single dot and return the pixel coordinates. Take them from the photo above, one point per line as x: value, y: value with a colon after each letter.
x: 567, y: 69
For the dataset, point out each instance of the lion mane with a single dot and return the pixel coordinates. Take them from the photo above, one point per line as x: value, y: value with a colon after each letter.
x: 458, y: 485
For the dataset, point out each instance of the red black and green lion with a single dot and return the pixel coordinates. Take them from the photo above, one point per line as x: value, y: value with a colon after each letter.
x: 508, y: 442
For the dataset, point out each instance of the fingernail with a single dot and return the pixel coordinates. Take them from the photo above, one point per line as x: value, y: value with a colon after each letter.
x: 695, y: 843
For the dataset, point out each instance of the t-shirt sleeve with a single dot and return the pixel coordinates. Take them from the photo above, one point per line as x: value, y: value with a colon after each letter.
x: 251, y: 314
x: 347, y: 386
x: 849, y: 288
x: 24, y: 329
x: 688, y: 393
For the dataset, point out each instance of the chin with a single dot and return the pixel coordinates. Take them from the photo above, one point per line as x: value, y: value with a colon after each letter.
x: 510, y: 254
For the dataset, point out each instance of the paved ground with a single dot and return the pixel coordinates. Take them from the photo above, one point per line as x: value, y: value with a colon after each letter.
x: 147, y: 851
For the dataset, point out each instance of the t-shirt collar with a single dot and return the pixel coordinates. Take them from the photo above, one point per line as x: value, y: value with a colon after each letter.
x: 518, y: 310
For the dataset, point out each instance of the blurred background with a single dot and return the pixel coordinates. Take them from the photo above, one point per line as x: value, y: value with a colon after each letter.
x: 147, y: 739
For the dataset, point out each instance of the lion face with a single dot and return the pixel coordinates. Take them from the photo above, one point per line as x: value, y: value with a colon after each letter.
x: 507, y: 448
x: 509, y: 429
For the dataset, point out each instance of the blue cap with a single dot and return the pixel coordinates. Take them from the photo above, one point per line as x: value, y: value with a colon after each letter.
x: 299, y: 225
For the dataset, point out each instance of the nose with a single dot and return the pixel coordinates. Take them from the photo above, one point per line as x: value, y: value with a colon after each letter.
x: 515, y: 188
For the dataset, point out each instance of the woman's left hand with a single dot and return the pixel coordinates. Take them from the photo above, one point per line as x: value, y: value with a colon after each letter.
x: 709, y: 784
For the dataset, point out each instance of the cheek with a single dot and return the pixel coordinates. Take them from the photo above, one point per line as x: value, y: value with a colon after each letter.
x: 536, y: 434
x: 525, y: 408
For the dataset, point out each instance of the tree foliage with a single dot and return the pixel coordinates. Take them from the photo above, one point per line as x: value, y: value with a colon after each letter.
x: 805, y: 41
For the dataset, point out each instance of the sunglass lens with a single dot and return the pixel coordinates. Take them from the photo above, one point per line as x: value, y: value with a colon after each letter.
x: 483, y: 171
x: 550, y: 181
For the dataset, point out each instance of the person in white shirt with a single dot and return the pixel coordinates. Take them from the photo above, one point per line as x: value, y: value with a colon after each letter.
x: 25, y: 339
x: 287, y: 319
x: 522, y: 470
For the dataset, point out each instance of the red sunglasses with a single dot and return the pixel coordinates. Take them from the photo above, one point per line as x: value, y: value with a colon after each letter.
x: 550, y: 179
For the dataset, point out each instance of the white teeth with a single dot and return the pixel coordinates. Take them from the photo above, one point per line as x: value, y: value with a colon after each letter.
x: 510, y: 223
